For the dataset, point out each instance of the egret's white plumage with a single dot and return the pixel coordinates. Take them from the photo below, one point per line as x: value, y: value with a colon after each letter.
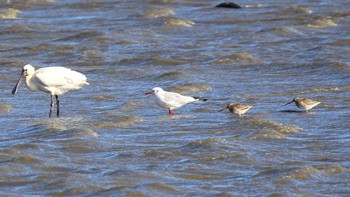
x: 52, y: 80
x: 171, y: 100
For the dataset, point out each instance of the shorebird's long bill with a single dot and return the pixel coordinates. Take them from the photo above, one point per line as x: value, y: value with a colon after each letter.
x: 222, y: 109
x: 14, y: 90
x: 289, y: 103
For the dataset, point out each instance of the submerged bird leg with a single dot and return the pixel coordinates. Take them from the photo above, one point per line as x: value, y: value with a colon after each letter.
x: 51, y: 106
x: 58, y: 105
x: 171, y: 112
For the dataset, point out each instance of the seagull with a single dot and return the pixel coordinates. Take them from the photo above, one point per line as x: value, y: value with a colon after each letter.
x: 304, y: 103
x: 172, y: 100
x: 52, y: 80
x: 237, y: 108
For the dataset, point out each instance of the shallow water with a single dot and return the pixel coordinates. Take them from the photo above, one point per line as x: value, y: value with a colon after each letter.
x: 112, y: 139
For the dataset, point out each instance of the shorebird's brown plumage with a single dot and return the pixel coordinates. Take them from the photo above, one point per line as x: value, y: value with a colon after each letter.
x: 304, y: 103
x: 238, y: 108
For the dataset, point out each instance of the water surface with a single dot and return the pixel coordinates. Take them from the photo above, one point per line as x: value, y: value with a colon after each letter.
x: 112, y: 139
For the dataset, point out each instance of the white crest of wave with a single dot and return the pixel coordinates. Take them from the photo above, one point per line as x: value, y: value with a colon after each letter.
x: 322, y: 23
x: 9, y: 14
x: 179, y: 22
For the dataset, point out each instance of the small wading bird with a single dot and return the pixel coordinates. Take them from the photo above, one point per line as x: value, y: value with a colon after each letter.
x: 237, y: 108
x: 52, y: 80
x: 172, y: 100
x: 304, y: 103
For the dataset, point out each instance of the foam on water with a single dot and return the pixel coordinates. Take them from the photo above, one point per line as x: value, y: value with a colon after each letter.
x: 288, y: 30
x: 10, y: 13
x: 55, y: 124
x: 179, y: 22
x: 309, y: 172
x: 243, y: 57
x: 298, y: 10
x: 205, y: 142
x: 5, y: 108
x: 322, y: 23
x: 86, y: 132
x: 267, y: 129
x: 253, y: 6
x: 112, y: 120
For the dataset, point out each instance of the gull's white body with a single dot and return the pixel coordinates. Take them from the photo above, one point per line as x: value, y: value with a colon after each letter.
x: 171, y: 100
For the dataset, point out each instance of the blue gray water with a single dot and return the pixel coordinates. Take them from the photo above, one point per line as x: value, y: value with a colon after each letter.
x: 113, y: 140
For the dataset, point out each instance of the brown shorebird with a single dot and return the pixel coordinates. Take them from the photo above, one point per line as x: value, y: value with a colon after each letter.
x: 237, y: 108
x: 304, y: 103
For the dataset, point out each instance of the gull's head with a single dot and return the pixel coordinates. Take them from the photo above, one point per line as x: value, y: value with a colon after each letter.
x: 155, y: 90
x: 28, y: 70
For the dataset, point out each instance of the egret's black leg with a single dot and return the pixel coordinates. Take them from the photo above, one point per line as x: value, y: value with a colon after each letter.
x: 58, y: 105
x: 51, y: 106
